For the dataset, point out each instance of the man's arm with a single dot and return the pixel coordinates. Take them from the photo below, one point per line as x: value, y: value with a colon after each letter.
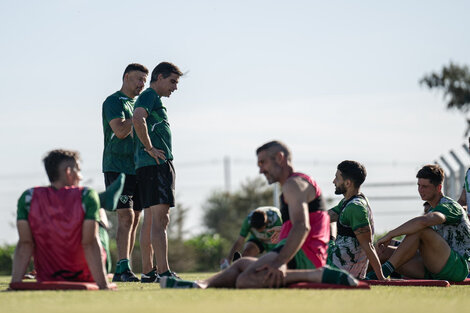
x: 141, y: 129
x: 121, y: 127
x: 364, y: 236
x: 23, y: 252
x: 295, y: 194
x: 237, y: 245
x: 463, y: 198
x: 333, y: 216
x: 91, y: 247
x: 412, y: 226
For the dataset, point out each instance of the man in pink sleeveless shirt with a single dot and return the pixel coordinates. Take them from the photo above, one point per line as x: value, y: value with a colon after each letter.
x: 301, y: 254
x: 58, y: 226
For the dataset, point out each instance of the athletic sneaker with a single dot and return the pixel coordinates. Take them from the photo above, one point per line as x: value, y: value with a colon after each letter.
x: 129, y: 277
x: 151, y: 277
x: 116, y: 277
x: 171, y: 282
x: 169, y: 274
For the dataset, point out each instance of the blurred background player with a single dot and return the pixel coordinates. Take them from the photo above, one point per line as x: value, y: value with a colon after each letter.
x: 258, y: 224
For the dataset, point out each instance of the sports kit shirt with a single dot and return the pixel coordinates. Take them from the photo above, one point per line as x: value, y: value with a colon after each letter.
x: 466, y: 186
x: 157, y: 126
x: 347, y: 253
x: 456, y: 229
x: 316, y: 244
x: 118, y: 154
x: 274, y: 219
x: 55, y: 217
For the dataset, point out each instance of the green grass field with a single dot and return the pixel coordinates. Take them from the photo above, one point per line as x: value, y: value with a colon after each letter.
x: 136, y: 297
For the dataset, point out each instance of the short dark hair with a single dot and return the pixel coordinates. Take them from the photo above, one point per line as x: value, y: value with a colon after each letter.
x: 135, y: 67
x: 166, y: 69
x: 433, y: 172
x: 354, y: 171
x: 258, y: 219
x: 55, y: 158
x: 274, y: 147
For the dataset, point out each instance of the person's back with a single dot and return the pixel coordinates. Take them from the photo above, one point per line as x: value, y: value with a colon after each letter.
x: 56, y: 220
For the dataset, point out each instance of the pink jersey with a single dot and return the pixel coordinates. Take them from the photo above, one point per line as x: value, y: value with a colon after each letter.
x: 316, y: 244
x: 56, y: 220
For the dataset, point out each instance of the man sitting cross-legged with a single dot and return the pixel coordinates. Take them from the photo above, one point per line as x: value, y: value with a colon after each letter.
x: 58, y: 225
x: 353, y: 248
x: 300, y: 256
x: 437, y: 244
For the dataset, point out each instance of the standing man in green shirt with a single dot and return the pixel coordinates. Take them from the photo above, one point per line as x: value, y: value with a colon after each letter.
x: 118, y: 157
x: 153, y: 157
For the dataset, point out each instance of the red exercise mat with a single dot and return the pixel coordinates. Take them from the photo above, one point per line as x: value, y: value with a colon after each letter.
x: 410, y: 282
x: 306, y: 285
x: 57, y: 285
x: 465, y: 282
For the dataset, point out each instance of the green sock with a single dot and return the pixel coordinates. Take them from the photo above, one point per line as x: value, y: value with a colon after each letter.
x: 118, y: 267
x: 336, y: 276
x: 387, y: 268
x: 110, y: 197
x: 124, y: 265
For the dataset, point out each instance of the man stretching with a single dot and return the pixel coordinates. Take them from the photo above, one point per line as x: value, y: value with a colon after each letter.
x: 301, y: 253
x: 437, y: 244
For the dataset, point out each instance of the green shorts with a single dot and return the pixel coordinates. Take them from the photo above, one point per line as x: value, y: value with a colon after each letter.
x: 456, y: 269
x: 299, y: 262
x: 261, y: 245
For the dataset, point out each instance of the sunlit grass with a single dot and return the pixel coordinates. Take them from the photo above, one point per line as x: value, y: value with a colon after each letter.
x: 136, y: 297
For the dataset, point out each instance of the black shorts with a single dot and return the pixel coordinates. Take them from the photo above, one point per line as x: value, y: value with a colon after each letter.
x: 130, y: 196
x: 257, y: 243
x: 157, y: 184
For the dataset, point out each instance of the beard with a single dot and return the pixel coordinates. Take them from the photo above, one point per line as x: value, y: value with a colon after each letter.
x: 339, y: 190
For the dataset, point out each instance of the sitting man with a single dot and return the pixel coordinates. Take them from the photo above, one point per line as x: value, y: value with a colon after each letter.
x: 259, y: 223
x: 437, y: 244
x: 353, y: 248
x: 300, y: 256
x: 58, y: 225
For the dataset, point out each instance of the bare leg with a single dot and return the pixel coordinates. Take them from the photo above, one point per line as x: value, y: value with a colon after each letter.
x: 125, y: 222
x: 433, y: 249
x: 160, y: 221
x: 250, y: 277
x: 133, y: 231
x: 146, y: 243
x: 228, y: 277
x: 250, y: 249
x: 312, y: 276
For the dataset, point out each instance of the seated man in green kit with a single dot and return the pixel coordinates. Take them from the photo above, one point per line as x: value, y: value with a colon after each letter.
x: 58, y: 225
x: 437, y: 244
x: 353, y: 249
x: 258, y: 224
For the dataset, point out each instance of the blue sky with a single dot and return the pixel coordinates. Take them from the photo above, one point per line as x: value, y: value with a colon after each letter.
x: 333, y: 80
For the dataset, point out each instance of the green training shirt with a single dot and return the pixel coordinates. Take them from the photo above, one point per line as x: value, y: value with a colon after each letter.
x: 90, y: 203
x: 157, y: 126
x: 456, y: 229
x: 347, y: 253
x: 118, y: 154
x: 274, y: 219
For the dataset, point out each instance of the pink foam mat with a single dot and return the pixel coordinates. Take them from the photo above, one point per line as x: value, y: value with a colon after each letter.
x: 306, y: 285
x: 56, y: 285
